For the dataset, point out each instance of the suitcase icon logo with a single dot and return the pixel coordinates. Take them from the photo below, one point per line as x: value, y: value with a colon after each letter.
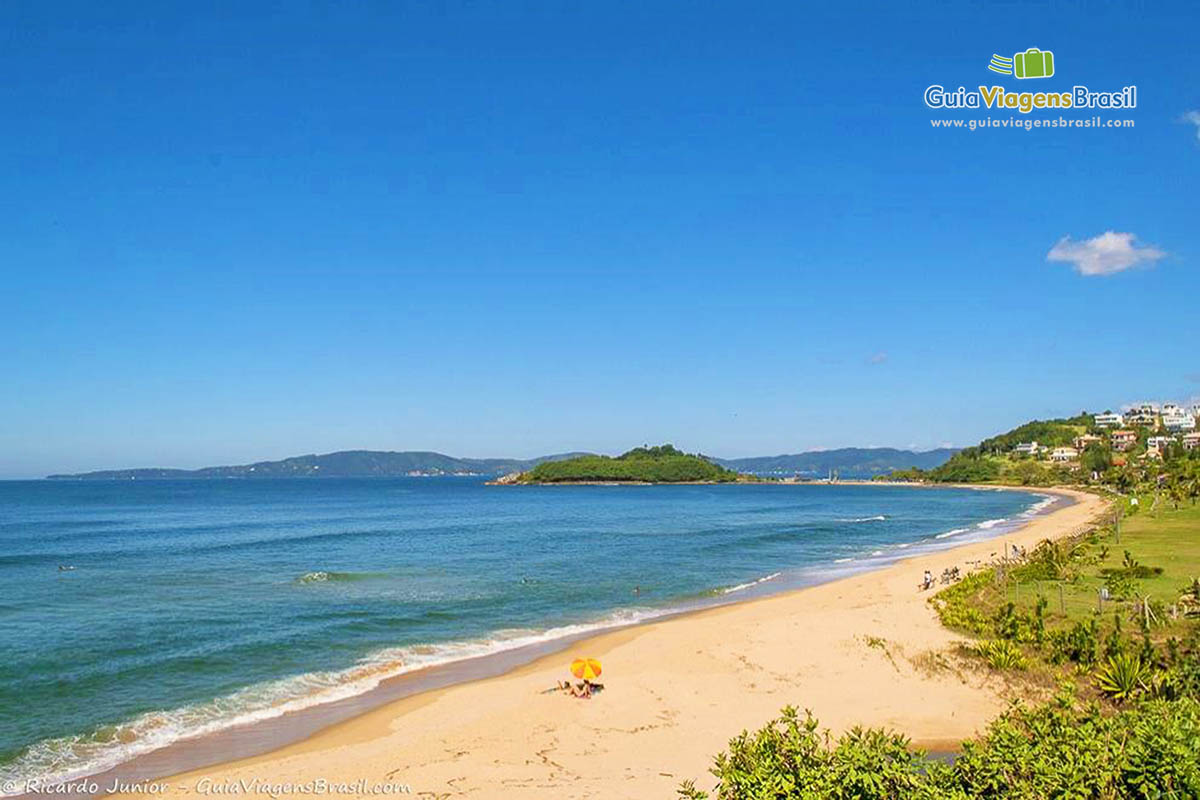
x: 1033, y: 63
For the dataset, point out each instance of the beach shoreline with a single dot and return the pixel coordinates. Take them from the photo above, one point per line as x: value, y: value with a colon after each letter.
x: 813, y: 621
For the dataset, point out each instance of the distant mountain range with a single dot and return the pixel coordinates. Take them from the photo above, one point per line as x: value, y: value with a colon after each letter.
x: 343, y: 464
x: 848, y: 462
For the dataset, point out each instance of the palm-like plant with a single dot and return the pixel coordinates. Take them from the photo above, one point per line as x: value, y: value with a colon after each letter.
x: 1001, y: 654
x: 1123, y: 676
x: 1177, y: 492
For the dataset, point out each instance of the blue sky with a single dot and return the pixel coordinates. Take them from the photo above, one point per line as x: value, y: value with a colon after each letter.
x: 519, y: 228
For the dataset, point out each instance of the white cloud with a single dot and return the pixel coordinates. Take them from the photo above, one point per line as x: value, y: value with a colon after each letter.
x: 1194, y: 118
x: 1108, y: 253
x: 878, y: 358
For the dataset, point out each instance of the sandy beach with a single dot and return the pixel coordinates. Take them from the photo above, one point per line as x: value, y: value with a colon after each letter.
x: 677, y: 690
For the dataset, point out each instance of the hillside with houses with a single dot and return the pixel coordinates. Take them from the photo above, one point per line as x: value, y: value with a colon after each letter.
x: 1145, y: 431
x: 1148, y: 443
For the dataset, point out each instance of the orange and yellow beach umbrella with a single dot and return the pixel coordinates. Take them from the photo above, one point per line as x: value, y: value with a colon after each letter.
x: 587, y: 669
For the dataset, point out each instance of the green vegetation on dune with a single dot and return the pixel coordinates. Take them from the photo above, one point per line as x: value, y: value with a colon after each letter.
x: 1062, y: 749
x: 662, y: 464
x: 1136, y: 577
x: 1123, y: 674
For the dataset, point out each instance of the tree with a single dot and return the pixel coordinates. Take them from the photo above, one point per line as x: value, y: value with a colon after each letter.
x: 1096, y: 458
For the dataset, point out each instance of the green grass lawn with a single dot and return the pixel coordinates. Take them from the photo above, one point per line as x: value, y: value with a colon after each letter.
x: 1165, y: 538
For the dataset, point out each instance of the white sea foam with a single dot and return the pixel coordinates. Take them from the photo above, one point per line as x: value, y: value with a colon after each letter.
x: 991, y: 523
x: 876, y: 518
x: 842, y: 560
x: 1041, y: 505
x: 948, y: 534
x: 742, y: 586
x: 56, y: 760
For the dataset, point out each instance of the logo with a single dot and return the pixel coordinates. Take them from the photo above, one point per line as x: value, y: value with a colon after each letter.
x: 1033, y: 63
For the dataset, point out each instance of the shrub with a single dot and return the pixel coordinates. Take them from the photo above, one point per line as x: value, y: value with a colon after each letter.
x: 1077, y: 644
x: 790, y: 758
x: 1060, y: 750
x: 1001, y: 654
x: 1052, y: 561
x: 1134, y: 569
x: 1123, y: 676
x: 1008, y: 623
x: 955, y: 606
x: 1114, y: 643
x: 1183, y: 676
x: 1162, y: 751
x: 1057, y: 750
x: 1120, y: 585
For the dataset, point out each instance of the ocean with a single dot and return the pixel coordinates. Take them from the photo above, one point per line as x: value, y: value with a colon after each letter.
x: 135, y: 614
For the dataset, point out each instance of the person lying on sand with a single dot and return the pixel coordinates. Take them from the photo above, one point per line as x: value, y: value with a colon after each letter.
x: 585, y: 689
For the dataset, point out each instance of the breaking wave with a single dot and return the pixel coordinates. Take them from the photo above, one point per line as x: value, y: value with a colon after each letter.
x: 68, y: 758
x: 742, y: 586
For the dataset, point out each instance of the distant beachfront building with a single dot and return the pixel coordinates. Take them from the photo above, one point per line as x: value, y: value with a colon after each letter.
x: 1027, y: 448
x: 1191, y: 441
x: 1123, y: 440
x: 1064, y: 454
x: 1083, y: 442
x: 1109, y: 420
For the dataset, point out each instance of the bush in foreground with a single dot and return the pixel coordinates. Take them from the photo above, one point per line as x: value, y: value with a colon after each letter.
x: 1059, y: 749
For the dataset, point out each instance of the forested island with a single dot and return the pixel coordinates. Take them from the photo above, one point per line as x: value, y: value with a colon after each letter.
x: 661, y: 464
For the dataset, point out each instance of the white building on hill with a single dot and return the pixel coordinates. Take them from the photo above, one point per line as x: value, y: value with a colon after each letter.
x: 1143, y: 414
x: 1064, y: 454
x: 1159, y: 444
x: 1175, y: 418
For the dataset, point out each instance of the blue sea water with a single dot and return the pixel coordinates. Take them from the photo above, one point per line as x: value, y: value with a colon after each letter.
x: 193, y: 605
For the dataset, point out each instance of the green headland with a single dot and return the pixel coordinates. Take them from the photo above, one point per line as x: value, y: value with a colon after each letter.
x: 661, y: 464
